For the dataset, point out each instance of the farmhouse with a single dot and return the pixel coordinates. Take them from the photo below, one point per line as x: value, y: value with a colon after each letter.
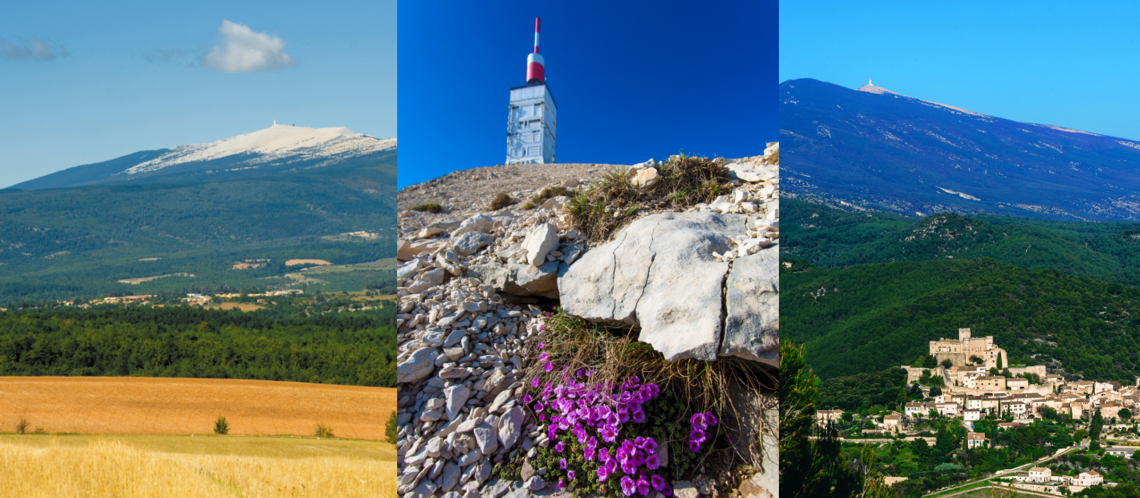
x: 975, y: 440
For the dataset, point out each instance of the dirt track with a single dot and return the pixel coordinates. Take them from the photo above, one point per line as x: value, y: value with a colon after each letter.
x: 143, y: 405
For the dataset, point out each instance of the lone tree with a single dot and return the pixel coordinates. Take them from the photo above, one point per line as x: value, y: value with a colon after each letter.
x: 390, y: 428
x: 947, y: 363
x: 221, y: 427
x: 1125, y: 414
x: 1094, y: 431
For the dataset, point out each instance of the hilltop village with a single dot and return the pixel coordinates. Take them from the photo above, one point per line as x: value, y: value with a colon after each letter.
x: 968, y: 385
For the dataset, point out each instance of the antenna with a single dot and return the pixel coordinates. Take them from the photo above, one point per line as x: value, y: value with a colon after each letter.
x: 274, y: 122
x: 535, y: 71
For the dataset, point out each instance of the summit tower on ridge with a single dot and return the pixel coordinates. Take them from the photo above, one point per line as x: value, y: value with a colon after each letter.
x: 533, y: 115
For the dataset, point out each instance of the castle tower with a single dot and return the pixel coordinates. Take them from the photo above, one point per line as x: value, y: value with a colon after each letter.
x: 533, y: 115
x: 963, y: 334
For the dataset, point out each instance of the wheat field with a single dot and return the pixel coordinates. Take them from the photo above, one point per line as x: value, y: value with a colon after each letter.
x: 146, y: 405
x: 82, y: 466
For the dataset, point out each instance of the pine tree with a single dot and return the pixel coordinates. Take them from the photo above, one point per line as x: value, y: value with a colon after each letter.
x: 390, y: 428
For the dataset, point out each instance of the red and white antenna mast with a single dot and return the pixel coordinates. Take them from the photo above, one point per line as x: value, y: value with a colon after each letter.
x: 535, y: 71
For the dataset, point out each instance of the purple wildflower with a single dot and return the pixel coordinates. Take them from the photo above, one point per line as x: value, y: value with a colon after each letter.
x: 698, y: 421
x: 571, y: 475
x: 638, y: 416
x: 560, y: 446
x: 628, y: 486
x: 604, y: 455
x: 541, y: 345
x: 697, y: 435
x: 561, y: 484
x: 544, y: 357
x: 653, y: 462
x: 710, y: 418
x: 695, y: 446
x: 548, y: 366
x: 526, y: 399
x: 658, y: 482
x: 642, y: 485
x: 534, y: 382
x: 588, y: 453
x: 603, y: 473
x: 562, y: 463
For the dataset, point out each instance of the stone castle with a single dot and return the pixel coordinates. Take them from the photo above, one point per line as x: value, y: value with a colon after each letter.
x: 961, y: 351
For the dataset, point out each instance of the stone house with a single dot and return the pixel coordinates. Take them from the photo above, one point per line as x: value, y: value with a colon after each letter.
x: 1040, y: 474
x: 975, y: 440
x: 1088, y: 478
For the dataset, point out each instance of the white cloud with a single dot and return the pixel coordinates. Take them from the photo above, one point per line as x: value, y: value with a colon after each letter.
x: 242, y: 50
x: 34, y: 49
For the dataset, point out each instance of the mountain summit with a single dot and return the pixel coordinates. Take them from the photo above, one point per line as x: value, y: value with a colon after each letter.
x: 276, y: 149
x: 879, y: 149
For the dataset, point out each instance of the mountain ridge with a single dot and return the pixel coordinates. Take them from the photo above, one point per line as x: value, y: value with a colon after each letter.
x: 273, y: 150
x: 887, y: 151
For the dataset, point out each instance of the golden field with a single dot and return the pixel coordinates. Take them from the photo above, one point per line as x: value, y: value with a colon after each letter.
x: 145, y: 405
x: 184, y: 466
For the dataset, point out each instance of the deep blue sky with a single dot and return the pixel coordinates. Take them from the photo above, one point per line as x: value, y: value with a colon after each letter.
x: 1049, y: 62
x: 84, y: 82
x: 632, y: 81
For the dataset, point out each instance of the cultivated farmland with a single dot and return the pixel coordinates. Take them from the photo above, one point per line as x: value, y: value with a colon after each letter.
x: 185, y: 466
x: 145, y: 405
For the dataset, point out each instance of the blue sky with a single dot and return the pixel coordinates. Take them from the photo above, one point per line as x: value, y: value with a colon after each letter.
x: 85, y: 82
x: 632, y: 80
x: 1049, y: 62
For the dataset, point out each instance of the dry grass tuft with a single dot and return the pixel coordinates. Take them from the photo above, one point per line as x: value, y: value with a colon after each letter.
x: 613, y: 201
x: 501, y: 200
x: 550, y: 193
x: 429, y: 207
x: 112, y: 468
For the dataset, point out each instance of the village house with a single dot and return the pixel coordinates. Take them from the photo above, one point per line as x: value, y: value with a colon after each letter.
x: 990, y: 383
x: 1040, y: 474
x: 1122, y: 451
x: 1088, y: 478
x: 975, y: 440
x: 822, y: 417
x: 893, y: 422
x: 1017, y: 384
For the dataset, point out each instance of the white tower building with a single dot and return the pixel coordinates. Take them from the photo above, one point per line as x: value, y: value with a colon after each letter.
x: 533, y: 116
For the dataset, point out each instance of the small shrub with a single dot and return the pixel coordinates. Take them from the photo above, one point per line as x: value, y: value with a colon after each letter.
x: 324, y: 431
x: 390, y: 428
x: 22, y: 426
x: 501, y: 201
x: 612, y: 201
x: 528, y: 206
x: 221, y: 426
x: 40, y: 430
x: 550, y: 193
x: 430, y: 207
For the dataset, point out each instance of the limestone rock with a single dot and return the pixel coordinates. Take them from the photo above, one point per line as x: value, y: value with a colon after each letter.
x: 510, y: 427
x: 519, y: 279
x: 643, y: 177
x: 478, y: 223
x: 660, y: 273
x: 685, y: 489
x: 456, y: 396
x: 752, y: 327
x: 485, y: 438
x: 404, y: 250
x: 539, y: 242
x: 471, y: 242
x: 417, y: 366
